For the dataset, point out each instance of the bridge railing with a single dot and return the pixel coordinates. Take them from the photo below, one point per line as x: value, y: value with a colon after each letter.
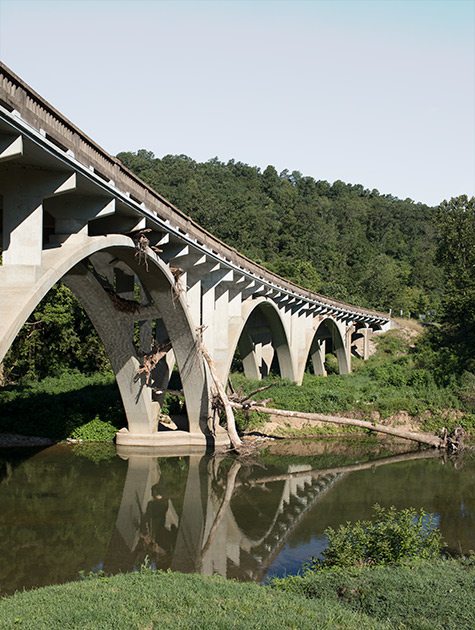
x: 17, y: 96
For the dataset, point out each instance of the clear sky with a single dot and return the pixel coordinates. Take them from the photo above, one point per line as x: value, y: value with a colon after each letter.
x: 379, y: 93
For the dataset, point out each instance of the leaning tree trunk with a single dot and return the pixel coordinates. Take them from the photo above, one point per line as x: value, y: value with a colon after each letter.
x: 230, y: 420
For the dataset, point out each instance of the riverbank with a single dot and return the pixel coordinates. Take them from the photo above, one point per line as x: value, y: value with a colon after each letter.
x: 422, y: 595
x: 388, y: 388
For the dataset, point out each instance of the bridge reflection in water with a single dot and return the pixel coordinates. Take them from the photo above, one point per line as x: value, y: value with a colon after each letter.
x: 214, y: 515
x: 68, y: 510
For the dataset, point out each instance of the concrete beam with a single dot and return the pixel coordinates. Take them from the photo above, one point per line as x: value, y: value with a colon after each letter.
x: 11, y: 147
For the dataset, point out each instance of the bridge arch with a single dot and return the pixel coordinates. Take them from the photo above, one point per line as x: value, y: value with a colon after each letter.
x: 115, y: 328
x: 328, y: 338
x: 260, y: 334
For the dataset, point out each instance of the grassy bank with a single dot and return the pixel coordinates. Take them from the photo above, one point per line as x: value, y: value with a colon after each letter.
x: 422, y: 595
x: 389, y: 384
x: 170, y: 600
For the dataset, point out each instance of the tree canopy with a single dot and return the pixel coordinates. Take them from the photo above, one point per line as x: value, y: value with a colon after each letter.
x: 342, y: 240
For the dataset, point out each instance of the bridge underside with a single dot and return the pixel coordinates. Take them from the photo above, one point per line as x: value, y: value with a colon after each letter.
x: 156, y: 287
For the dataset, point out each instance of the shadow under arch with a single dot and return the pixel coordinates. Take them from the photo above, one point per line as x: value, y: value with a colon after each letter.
x: 115, y: 328
x: 359, y: 340
x: 260, y: 338
x: 328, y: 339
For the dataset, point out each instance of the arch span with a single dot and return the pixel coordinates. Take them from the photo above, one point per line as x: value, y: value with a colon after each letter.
x: 115, y: 327
x: 328, y: 338
x: 261, y: 334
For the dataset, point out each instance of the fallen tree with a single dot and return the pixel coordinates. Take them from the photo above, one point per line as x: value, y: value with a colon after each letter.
x: 316, y: 418
x: 222, y: 401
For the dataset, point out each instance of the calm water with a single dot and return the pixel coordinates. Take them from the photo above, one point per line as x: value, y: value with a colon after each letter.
x: 68, y: 509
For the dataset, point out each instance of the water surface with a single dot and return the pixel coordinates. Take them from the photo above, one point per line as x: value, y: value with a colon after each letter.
x: 66, y: 510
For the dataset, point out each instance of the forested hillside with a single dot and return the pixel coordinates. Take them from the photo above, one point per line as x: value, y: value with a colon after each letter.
x: 338, y: 239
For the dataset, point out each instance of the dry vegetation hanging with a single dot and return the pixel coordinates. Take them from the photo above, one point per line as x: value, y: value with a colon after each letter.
x: 151, y: 359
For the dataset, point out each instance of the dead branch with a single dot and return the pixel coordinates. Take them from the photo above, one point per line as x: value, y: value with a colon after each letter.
x: 453, y: 441
x: 151, y: 359
x: 141, y: 245
x: 420, y: 438
x: 253, y: 393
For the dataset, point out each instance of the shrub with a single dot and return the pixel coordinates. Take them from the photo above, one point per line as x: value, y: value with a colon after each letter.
x: 393, y: 536
x: 96, y: 430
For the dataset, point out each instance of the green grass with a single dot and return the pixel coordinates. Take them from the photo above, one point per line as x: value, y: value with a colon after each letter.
x: 171, y: 600
x: 422, y: 595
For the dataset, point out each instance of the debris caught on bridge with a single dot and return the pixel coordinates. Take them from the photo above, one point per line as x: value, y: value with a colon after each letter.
x: 452, y: 442
x: 141, y: 244
x: 177, y: 288
x: 151, y: 359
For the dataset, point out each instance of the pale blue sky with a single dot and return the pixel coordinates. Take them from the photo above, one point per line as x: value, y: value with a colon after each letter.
x: 378, y: 93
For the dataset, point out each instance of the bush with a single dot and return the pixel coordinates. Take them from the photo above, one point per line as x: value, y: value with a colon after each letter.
x: 392, y: 537
x: 96, y: 430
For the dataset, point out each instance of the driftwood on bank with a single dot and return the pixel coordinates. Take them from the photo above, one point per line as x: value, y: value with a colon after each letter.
x: 421, y: 438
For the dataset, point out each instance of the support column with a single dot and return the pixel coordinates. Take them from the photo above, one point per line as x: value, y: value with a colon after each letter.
x: 365, y: 332
x: 318, y: 357
x: 348, y: 333
x: 193, y: 297
x: 24, y: 191
x: 207, y: 315
x: 113, y: 327
x: 250, y: 363
x: 221, y: 331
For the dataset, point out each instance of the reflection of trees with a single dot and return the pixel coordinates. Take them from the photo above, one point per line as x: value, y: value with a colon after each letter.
x: 158, y: 528
x: 58, y: 513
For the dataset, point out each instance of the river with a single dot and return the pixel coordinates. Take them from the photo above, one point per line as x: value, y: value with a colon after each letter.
x: 69, y: 510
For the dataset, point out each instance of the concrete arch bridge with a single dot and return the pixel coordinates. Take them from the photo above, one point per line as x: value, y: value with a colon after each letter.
x: 71, y: 212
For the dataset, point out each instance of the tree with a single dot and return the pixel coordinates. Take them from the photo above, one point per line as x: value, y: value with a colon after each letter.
x: 456, y: 254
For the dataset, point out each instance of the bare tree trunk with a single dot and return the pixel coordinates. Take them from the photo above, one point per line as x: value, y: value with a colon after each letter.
x: 421, y: 438
x: 230, y: 485
x: 230, y: 420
